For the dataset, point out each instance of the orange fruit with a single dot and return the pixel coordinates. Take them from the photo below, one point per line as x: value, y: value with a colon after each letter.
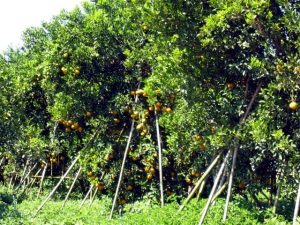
x: 293, y: 105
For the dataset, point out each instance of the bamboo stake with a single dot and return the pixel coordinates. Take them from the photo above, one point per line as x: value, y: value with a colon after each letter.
x: 93, y: 198
x: 204, y: 176
x: 1, y: 161
x: 123, y: 165
x: 24, y: 171
x: 57, y: 185
x: 278, y: 192
x: 212, y: 193
x: 122, y: 170
x: 86, y: 196
x: 71, y: 188
x: 159, y: 160
x: 229, y: 190
x: 220, y: 190
x: 33, y: 179
x: 24, y: 179
x: 201, y: 189
x: 42, y: 179
x: 230, y: 182
x: 297, y: 205
x: 216, y: 195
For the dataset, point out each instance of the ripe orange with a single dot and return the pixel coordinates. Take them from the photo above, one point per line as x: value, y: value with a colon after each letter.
x: 75, y: 126
x: 88, y: 114
x: 68, y: 129
x: 129, y: 187
x: 188, y: 180
x: 293, y: 105
x: 64, y: 70
x: 149, y: 176
x: 147, y: 169
x: 66, y: 55
x: 100, y: 186
x: 202, y: 147
x: 230, y: 86
x: 168, y: 110
x: 152, y: 170
x: 77, y: 72
x: 90, y: 173
x: 116, y: 120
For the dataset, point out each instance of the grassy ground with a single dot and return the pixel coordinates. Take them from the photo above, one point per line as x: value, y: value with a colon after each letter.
x: 143, y: 213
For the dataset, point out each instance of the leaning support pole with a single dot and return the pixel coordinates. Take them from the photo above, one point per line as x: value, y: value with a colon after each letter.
x: 93, y: 198
x: 122, y: 170
x: 201, y: 189
x: 204, y: 176
x: 230, y: 180
x: 71, y: 188
x: 42, y: 179
x: 159, y: 160
x: 57, y: 185
x: 229, y: 190
x: 214, y: 188
x: 86, y: 196
x: 297, y: 206
x: 123, y: 165
x: 26, y: 176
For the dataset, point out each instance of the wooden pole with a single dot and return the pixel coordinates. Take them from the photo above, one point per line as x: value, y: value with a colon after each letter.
x: 229, y: 191
x: 123, y: 165
x: 28, y: 173
x: 1, y: 161
x: 71, y: 188
x: 204, y: 176
x: 159, y: 160
x: 42, y: 179
x: 93, y: 198
x: 24, y: 171
x: 230, y: 182
x: 57, y: 185
x: 297, y: 205
x: 212, y: 193
x: 201, y: 189
x: 281, y: 174
x: 122, y: 170
x: 86, y: 196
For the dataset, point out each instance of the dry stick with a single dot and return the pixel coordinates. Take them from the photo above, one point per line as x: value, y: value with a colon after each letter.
x: 204, y: 176
x: 159, y: 160
x: 216, y: 195
x: 122, y: 170
x: 1, y: 161
x: 201, y: 189
x: 93, y: 198
x: 230, y: 182
x: 214, y: 188
x: 220, y: 190
x: 71, y: 188
x: 123, y: 166
x: 28, y: 173
x: 57, y: 185
x: 278, y: 192
x: 86, y: 196
x: 296, y: 207
x: 33, y: 179
x: 42, y: 179
x: 24, y: 171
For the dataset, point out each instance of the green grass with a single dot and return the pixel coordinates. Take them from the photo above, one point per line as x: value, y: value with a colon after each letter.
x: 143, y: 213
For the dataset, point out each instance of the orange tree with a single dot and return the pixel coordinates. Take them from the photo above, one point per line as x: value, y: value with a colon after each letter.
x: 197, y: 64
